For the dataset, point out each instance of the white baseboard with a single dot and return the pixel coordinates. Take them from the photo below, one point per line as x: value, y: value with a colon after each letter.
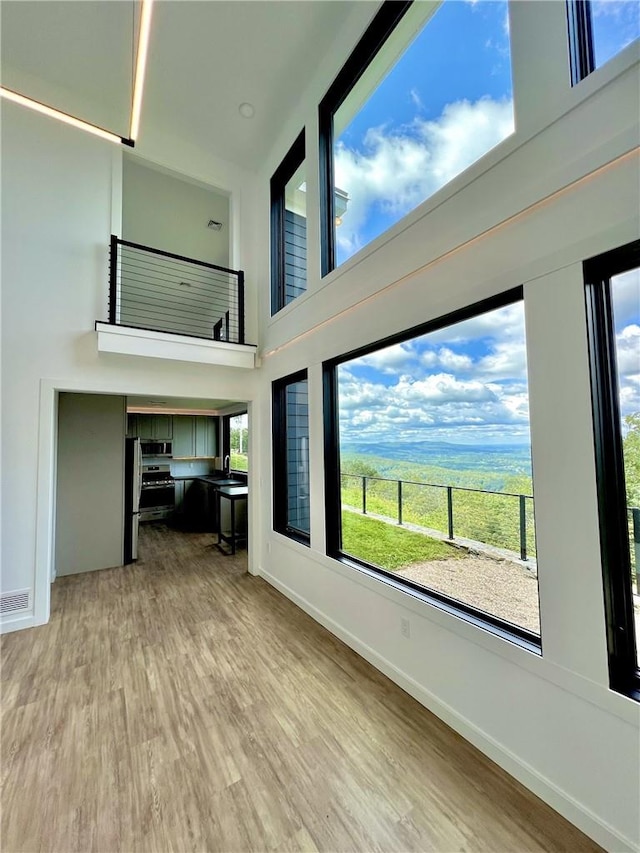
x: 566, y: 805
x: 16, y: 622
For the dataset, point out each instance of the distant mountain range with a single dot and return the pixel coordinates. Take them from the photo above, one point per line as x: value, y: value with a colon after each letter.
x: 515, y: 458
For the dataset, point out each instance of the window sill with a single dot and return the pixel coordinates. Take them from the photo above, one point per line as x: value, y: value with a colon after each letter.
x: 493, y: 625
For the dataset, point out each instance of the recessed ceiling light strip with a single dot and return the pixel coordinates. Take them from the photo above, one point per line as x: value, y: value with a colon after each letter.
x: 10, y: 95
x: 141, y: 66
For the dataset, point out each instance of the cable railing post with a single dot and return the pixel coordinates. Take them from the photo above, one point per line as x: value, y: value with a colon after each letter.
x: 240, y: 307
x: 399, y: 501
x: 450, y: 510
x: 523, y: 528
x: 364, y: 495
x: 113, y: 277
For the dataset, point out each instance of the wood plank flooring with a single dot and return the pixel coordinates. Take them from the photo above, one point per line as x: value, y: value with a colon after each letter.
x: 182, y: 705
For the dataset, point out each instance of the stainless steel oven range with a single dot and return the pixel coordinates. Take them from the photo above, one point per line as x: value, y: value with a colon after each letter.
x: 158, y: 493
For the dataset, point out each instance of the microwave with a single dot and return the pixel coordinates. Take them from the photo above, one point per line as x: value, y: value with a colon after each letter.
x: 156, y: 448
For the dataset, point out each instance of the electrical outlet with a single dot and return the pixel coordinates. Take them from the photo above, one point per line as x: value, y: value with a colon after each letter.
x: 405, y: 628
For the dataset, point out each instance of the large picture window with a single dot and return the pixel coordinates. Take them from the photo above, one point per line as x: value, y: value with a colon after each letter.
x: 598, y: 31
x: 428, y: 464
x: 289, y: 228
x: 613, y: 310
x: 291, y: 457
x: 426, y: 92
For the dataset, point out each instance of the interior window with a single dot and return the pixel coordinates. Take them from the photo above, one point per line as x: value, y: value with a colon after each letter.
x: 289, y: 228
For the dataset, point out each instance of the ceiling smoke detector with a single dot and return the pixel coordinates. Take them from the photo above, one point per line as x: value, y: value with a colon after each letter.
x: 247, y: 110
x: 216, y: 226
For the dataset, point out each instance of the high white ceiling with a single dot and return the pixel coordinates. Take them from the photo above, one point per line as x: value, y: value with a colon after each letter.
x: 206, y: 57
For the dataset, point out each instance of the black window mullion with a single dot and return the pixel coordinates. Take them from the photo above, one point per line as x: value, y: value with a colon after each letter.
x: 581, y: 52
x: 378, y: 31
x: 327, y: 195
x: 282, y: 521
x: 333, y: 501
x: 612, y: 503
x: 283, y: 174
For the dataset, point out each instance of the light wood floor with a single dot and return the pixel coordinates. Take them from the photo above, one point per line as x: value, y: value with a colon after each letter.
x: 181, y: 704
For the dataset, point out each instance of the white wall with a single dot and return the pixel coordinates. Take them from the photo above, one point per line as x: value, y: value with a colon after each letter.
x: 165, y: 212
x: 565, y: 187
x: 56, y: 220
x: 90, y: 483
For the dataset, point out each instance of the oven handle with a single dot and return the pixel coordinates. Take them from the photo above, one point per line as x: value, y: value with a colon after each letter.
x: 146, y: 486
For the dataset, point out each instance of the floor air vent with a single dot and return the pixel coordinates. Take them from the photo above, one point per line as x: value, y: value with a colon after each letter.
x: 12, y: 602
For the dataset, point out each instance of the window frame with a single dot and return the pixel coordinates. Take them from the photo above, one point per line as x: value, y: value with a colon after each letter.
x: 384, y: 22
x: 624, y: 672
x: 582, y: 60
x: 292, y: 161
x: 226, y: 440
x: 508, y: 631
x: 279, y: 462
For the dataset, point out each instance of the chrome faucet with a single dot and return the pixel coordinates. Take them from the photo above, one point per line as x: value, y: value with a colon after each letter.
x: 226, y: 465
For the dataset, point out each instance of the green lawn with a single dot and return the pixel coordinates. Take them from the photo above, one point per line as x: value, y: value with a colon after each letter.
x: 390, y: 546
x: 239, y: 462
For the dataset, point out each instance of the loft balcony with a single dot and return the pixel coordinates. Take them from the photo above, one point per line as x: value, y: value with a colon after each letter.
x: 163, y: 305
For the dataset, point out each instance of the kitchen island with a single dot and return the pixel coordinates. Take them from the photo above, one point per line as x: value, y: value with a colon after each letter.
x: 232, y: 527
x: 197, y: 506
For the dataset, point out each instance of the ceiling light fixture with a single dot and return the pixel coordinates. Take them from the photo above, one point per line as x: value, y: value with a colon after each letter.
x: 138, y: 87
x: 247, y: 110
x: 37, y: 107
x: 141, y: 67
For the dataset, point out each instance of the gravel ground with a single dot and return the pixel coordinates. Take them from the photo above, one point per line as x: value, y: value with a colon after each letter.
x: 498, y: 587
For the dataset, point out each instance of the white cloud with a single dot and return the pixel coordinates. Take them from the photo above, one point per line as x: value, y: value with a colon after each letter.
x: 628, y: 350
x: 393, y: 359
x: 451, y: 360
x: 442, y: 388
x: 628, y: 363
x: 626, y: 297
x: 505, y: 324
x: 396, y: 171
x: 416, y: 100
x: 508, y: 359
x: 371, y: 411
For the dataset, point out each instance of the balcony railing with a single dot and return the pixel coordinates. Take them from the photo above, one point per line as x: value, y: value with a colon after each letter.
x: 160, y: 291
x: 500, y: 519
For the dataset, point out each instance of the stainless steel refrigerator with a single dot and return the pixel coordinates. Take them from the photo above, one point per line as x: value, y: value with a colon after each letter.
x: 133, y: 487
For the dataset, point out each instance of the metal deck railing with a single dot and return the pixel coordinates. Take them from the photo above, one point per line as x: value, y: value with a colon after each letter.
x: 161, y: 291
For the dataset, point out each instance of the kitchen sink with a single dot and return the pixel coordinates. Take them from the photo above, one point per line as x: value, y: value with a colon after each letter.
x: 224, y: 481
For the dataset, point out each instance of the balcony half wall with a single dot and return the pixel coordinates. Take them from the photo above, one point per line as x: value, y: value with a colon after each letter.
x: 126, y: 340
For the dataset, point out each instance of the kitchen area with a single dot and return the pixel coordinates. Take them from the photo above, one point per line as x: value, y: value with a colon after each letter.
x: 178, y: 471
x: 131, y: 467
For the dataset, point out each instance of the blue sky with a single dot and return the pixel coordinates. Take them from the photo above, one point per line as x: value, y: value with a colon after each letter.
x: 625, y: 294
x: 447, y: 101
x: 467, y: 383
x: 463, y: 384
x: 616, y: 23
